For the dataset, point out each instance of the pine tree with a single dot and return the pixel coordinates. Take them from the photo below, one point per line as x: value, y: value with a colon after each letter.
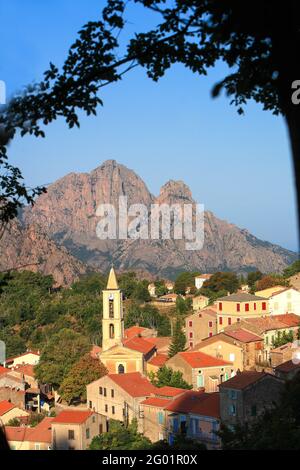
x: 178, y: 340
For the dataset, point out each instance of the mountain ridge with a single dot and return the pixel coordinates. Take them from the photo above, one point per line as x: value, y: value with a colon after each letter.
x: 67, y: 213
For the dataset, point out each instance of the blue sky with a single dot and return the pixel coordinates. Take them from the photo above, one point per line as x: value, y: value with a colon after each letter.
x: 239, y: 167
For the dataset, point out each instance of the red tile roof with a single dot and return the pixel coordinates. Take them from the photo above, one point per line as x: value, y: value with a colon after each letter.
x: 273, y: 322
x: 6, y: 406
x: 24, y: 369
x: 133, y: 331
x: 244, y: 379
x: 167, y: 391
x: 243, y: 335
x: 18, y: 434
x: 134, y: 384
x: 72, y: 417
x: 41, y: 433
x: 161, y: 343
x: 200, y: 359
x: 157, y: 402
x: 159, y: 360
x: 204, y: 404
x: 289, y: 319
x: 139, y: 344
x: 3, y: 370
x: 287, y: 366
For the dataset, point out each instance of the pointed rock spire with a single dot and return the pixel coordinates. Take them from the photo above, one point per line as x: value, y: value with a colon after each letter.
x: 112, y: 280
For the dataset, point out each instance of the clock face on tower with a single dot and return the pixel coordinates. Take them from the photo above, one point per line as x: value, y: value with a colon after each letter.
x: 111, y: 296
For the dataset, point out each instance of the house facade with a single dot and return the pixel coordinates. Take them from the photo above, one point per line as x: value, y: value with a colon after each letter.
x: 118, y: 396
x: 200, y: 302
x: 235, y: 307
x: 247, y: 395
x: 200, y: 325
x: 200, y: 370
x: 285, y: 301
x: 75, y: 429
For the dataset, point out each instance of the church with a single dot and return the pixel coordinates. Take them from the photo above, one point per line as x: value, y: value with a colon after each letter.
x: 119, y: 354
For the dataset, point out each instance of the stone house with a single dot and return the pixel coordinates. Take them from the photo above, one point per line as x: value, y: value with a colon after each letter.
x: 74, y: 429
x: 195, y: 415
x: 247, y: 395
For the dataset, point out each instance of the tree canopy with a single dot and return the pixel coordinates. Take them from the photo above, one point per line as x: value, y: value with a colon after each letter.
x: 165, y: 376
x: 83, y: 372
x: 120, y: 437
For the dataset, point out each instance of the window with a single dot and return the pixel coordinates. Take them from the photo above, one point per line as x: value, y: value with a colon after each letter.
x: 113, y: 410
x: 190, y: 323
x: 289, y: 306
x: 121, y: 369
x: 111, y: 331
x: 231, y: 357
x: 267, y: 340
x: 191, y: 334
x: 87, y: 433
x: 106, y: 408
x: 220, y: 306
x: 37, y: 446
x: 191, y: 344
x: 232, y: 410
x: 160, y: 417
x: 238, y: 319
x: 112, y: 393
x: 238, y: 307
x: 210, y: 324
x: 100, y: 391
x: 264, y: 306
x: 254, y: 305
x: 100, y: 428
x: 246, y: 307
x: 229, y: 321
x: 71, y: 435
x: 253, y: 410
x: 200, y: 380
x: 210, y: 334
x: 104, y: 392
x: 233, y: 394
x: 220, y: 321
x: 111, y: 308
x: 93, y: 419
x: 91, y: 404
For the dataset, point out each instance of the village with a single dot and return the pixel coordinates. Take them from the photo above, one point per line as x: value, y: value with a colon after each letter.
x: 240, y: 351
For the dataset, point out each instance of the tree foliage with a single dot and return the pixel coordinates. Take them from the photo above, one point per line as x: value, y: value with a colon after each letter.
x: 294, y: 268
x: 222, y: 281
x: 62, y: 351
x: 271, y: 280
x: 83, y: 372
x: 120, y: 437
x: 165, y: 376
x: 147, y: 317
x: 178, y: 342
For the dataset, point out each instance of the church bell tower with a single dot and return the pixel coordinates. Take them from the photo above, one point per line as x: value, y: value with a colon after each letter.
x: 113, y: 322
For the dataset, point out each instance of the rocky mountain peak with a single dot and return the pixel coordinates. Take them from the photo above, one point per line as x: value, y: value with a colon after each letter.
x: 175, y: 192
